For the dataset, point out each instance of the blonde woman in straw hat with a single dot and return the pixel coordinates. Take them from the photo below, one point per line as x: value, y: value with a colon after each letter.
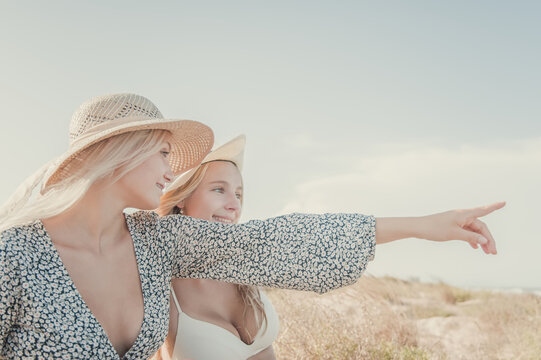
x: 81, y: 279
x: 238, y: 320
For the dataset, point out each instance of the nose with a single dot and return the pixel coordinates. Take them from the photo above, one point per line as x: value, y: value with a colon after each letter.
x: 168, y: 175
x: 233, y: 203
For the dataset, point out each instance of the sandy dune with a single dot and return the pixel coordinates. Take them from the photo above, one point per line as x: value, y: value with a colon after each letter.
x: 386, y: 318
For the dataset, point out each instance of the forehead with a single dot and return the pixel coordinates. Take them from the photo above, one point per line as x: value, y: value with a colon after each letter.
x: 223, y: 171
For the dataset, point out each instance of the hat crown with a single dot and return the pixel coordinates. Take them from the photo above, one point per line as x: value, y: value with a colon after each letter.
x: 110, y: 110
x: 232, y: 151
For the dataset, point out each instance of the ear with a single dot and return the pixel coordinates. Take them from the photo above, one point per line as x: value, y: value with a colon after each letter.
x: 180, y: 205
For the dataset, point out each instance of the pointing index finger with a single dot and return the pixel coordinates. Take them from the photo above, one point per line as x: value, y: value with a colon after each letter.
x: 485, y: 210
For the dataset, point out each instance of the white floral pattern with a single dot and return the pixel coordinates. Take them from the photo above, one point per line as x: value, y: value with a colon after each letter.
x: 42, y: 315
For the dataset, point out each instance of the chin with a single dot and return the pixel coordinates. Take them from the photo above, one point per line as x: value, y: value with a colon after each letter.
x: 146, y: 205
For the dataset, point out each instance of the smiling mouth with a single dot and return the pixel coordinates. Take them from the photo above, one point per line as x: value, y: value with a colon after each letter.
x: 222, y: 220
x: 160, y: 186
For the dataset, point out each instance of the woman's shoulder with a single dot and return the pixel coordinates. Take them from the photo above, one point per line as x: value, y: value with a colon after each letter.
x: 152, y: 227
x: 143, y: 225
x: 17, y: 235
x: 144, y: 219
x: 141, y: 217
x: 23, y: 229
x: 20, y: 244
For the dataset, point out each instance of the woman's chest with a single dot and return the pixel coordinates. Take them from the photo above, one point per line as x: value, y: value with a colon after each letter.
x: 221, y: 305
x: 55, y: 316
x: 109, y: 284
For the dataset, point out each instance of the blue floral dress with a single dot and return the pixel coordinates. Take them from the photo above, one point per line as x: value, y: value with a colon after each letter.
x: 43, y: 316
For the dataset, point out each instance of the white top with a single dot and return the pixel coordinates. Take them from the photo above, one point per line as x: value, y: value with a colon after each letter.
x: 200, y: 340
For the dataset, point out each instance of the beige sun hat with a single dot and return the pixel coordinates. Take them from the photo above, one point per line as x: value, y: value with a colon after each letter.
x: 105, y: 116
x: 232, y: 151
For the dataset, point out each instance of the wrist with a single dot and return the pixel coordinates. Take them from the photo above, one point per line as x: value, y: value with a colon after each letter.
x: 396, y: 228
x: 419, y: 227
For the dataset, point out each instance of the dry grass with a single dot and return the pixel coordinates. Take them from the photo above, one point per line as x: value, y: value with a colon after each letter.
x: 387, y: 318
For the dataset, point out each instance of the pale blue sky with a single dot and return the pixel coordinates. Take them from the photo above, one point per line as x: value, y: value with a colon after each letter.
x: 348, y: 105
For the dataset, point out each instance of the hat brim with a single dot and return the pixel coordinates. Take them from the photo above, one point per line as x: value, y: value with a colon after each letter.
x: 232, y: 151
x: 190, y: 143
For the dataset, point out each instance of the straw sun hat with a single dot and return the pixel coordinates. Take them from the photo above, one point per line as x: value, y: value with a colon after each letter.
x: 105, y: 116
x: 231, y: 151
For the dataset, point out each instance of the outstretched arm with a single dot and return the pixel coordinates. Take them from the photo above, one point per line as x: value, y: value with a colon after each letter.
x: 450, y: 225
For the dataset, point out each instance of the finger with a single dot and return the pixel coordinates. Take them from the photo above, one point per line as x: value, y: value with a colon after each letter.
x: 491, y: 246
x: 472, y: 237
x: 481, y: 228
x: 485, y: 210
x: 475, y: 239
x: 489, y: 250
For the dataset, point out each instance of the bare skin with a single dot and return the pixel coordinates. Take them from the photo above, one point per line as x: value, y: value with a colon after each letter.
x: 450, y: 225
x: 97, y: 250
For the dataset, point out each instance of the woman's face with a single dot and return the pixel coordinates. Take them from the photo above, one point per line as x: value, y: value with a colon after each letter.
x: 218, y: 196
x: 142, y: 186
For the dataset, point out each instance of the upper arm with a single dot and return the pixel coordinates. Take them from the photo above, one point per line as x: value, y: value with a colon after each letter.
x: 9, y: 290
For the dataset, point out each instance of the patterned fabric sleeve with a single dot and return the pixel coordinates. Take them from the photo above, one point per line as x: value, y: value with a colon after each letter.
x: 9, y: 292
x: 298, y: 251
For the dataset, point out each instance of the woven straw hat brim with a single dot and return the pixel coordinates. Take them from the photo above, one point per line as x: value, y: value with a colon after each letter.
x: 190, y: 142
x: 231, y: 151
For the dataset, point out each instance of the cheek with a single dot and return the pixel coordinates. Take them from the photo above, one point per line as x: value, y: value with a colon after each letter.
x: 197, y: 212
x: 201, y: 206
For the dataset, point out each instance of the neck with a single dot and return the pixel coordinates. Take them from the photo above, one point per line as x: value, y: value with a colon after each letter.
x: 93, y: 222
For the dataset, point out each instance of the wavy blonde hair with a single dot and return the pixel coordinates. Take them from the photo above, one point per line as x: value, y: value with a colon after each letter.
x: 169, y: 205
x: 107, y: 160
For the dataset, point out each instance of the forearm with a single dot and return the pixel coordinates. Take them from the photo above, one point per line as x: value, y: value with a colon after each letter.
x: 395, y: 228
x: 449, y: 225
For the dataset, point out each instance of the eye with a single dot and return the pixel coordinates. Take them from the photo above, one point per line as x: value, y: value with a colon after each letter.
x: 219, y: 190
x: 164, y: 153
x: 239, y: 196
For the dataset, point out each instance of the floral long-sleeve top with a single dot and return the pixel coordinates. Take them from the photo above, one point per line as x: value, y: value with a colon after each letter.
x: 43, y: 316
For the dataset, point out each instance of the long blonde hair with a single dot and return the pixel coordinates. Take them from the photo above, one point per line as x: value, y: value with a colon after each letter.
x: 169, y: 205
x: 109, y: 160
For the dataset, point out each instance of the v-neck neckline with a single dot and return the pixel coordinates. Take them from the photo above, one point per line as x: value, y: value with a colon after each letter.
x: 71, y: 284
